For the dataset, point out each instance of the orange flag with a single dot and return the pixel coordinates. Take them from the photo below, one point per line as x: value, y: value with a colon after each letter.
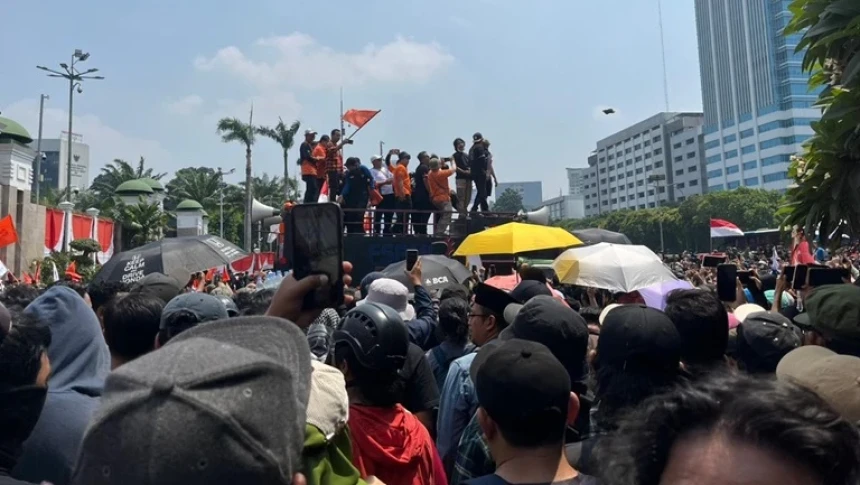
x: 359, y: 117
x: 8, y: 235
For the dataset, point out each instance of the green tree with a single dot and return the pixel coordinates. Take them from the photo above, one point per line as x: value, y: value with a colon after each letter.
x: 825, y: 193
x: 145, y: 222
x: 196, y: 183
x: 235, y: 130
x: 508, y: 201
x: 285, y: 137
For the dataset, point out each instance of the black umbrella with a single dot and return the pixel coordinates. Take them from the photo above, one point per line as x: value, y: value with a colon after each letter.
x: 438, y: 272
x: 170, y: 255
x: 594, y: 236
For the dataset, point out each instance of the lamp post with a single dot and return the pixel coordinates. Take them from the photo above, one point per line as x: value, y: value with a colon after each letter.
x: 653, y: 182
x: 221, y: 174
x: 75, y: 79
x: 38, y: 173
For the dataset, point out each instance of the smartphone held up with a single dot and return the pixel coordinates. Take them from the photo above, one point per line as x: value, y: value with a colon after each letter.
x: 316, y: 247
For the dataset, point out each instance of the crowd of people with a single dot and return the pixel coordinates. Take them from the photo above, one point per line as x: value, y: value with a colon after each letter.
x: 173, y: 381
x: 404, y: 200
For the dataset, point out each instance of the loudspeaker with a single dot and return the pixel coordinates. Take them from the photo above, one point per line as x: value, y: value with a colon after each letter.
x: 539, y: 217
x: 260, y: 211
x: 439, y: 247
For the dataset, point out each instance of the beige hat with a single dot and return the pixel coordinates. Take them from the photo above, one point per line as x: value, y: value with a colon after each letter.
x: 835, y: 378
x: 745, y: 310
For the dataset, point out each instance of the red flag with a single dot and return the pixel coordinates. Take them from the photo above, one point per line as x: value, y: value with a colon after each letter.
x: 72, y: 267
x: 225, y: 275
x: 8, y: 235
x: 27, y: 279
x: 359, y: 117
x: 721, y: 228
x: 210, y: 273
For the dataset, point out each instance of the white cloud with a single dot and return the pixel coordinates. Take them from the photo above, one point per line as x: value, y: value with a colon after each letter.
x: 298, y: 60
x: 106, y: 143
x: 185, y: 105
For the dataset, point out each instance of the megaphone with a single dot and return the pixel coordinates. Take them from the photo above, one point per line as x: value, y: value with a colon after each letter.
x: 539, y: 217
x: 260, y: 211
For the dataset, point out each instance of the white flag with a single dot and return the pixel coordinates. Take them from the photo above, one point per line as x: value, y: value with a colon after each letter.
x: 3, y: 269
x: 774, y: 261
x: 56, y: 274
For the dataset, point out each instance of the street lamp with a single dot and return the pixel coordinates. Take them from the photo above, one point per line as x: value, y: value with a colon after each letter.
x: 221, y: 174
x: 653, y: 182
x: 75, y: 81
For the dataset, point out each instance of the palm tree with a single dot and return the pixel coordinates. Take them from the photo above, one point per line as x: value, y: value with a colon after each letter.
x: 286, y: 138
x: 268, y: 190
x: 146, y: 221
x: 234, y: 130
x: 196, y: 183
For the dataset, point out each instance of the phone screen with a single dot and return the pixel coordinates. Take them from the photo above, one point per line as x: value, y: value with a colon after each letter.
x: 788, y: 272
x: 411, y: 258
x: 713, y: 261
x: 744, y: 277
x: 317, y: 248
x: 825, y: 276
x: 727, y: 275
x: 799, y: 280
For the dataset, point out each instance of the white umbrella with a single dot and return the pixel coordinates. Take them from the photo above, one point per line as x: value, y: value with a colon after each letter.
x: 615, y: 267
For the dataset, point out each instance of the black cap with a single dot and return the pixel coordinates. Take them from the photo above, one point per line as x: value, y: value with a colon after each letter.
x: 159, y: 285
x: 549, y: 322
x: 477, y: 136
x: 377, y: 336
x: 493, y: 299
x: 522, y: 381
x: 403, y: 155
x: 529, y: 289
x: 639, y: 338
x: 833, y: 311
x: 764, y: 338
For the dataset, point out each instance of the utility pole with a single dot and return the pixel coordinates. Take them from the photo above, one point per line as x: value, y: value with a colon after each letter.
x: 381, y: 144
x: 221, y: 198
x: 37, y: 176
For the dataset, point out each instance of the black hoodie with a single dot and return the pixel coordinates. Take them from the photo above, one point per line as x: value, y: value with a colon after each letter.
x: 19, y: 411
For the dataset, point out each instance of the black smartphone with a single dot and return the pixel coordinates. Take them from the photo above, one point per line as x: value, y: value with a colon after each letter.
x: 825, y: 276
x: 474, y: 268
x: 727, y: 275
x: 713, y: 261
x: 411, y: 258
x: 788, y: 272
x: 745, y: 277
x: 799, y: 280
x: 316, y: 247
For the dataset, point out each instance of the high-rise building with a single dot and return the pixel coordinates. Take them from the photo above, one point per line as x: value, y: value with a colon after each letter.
x: 757, y: 104
x: 531, y: 192
x: 575, y: 180
x: 55, y: 162
x: 654, y: 162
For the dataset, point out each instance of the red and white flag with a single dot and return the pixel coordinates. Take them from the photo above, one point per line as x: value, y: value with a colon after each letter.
x: 721, y: 228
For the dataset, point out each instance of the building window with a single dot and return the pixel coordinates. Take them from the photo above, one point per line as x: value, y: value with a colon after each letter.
x: 638, y: 171
x: 775, y: 177
x: 613, y: 201
x: 714, y: 159
x: 681, y: 199
x: 630, y: 185
x: 750, y: 165
x: 612, y: 190
x: 732, y: 169
x: 612, y: 179
x: 639, y: 158
x: 647, y: 156
x: 679, y: 172
x: 611, y: 157
x: 715, y: 188
x: 641, y: 194
x: 640, y: 183
x: 751, y: 182
x: 715, y: 173
x: 731, y: 154
x: 692, y: 168
x: 680, y: 185
x: 651, y: 192
x: 676, y: 145
x: 710, y: 144
x: 658, y: 164
x: 729, y: 139
x: 748, y: 149
x: 679, y: 158
x: 630, y: 162
x: 691, y: 155
x: 637, y: 146
x: 630, y: 173
x: 628, y: 150
x: 647, y: 143
x: 658, y: 151
x: 620, y: 176
x: 733, y: 185
x: 765, y: 162
x: 603, y: 192
x: 623, y: 199
x: 747, y: 133
x: 690, y: 141
x: 604, y: 203
x: 694, y: 182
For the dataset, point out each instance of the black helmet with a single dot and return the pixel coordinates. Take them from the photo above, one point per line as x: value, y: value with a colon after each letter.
x: 377, y: 336
x: 232, y: 309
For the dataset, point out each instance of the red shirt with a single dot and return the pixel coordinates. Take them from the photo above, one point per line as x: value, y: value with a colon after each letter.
x: 801, y: 255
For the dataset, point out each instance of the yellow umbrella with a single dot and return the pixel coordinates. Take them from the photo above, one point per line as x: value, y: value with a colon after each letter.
x: 514, y: 238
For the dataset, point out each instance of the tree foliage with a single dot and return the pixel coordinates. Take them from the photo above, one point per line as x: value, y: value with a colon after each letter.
x: 101, y: 193
x: 508, y: 201
x: 285, y: 137
x: 687, y: 225
x: 825, y: 194
x: 235, y: 130
x: 142, y: 223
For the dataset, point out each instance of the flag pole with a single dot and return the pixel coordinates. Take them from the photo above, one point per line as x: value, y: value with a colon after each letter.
x: 340, y: 117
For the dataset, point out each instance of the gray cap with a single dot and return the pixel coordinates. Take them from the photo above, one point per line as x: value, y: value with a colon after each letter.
x: 204, y: 307
x: 222, y: 403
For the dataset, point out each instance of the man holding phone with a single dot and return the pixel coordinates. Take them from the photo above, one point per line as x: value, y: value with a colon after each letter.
x: 334, y: 163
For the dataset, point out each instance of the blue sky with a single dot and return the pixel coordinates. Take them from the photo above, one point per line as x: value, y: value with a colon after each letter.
x: 531, y: 78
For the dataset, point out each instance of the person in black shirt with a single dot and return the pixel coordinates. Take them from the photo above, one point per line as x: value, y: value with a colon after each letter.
x: 421, y: 196
x: 308, y: 167
x: 358, y: 182
x: 479, y: 166
x: 463, y: 177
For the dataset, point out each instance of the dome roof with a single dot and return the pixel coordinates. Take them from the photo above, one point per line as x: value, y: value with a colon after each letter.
x: 132, y: 187
x: 155, y: 185
x: 189, y: 205
x: 14, y: 130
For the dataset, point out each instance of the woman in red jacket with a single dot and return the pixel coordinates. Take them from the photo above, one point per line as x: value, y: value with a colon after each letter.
x: 388, y: 441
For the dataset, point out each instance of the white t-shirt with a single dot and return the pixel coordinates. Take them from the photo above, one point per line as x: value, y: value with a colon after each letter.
x: 380, y: 176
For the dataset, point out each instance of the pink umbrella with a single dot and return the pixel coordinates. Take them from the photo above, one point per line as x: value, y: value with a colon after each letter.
x: 509, y: 282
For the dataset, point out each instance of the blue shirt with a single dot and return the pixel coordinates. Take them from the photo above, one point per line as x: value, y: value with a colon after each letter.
x: 422, y: 330
x: 347, y: 185
x: 457, y: 403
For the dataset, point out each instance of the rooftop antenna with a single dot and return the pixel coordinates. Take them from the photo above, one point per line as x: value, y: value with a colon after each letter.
x: 663, y: 53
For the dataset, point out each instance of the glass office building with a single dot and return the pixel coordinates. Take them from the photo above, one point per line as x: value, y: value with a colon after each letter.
x: 757, y: 103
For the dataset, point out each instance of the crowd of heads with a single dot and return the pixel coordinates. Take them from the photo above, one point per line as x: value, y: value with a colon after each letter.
x: 155, y: 382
